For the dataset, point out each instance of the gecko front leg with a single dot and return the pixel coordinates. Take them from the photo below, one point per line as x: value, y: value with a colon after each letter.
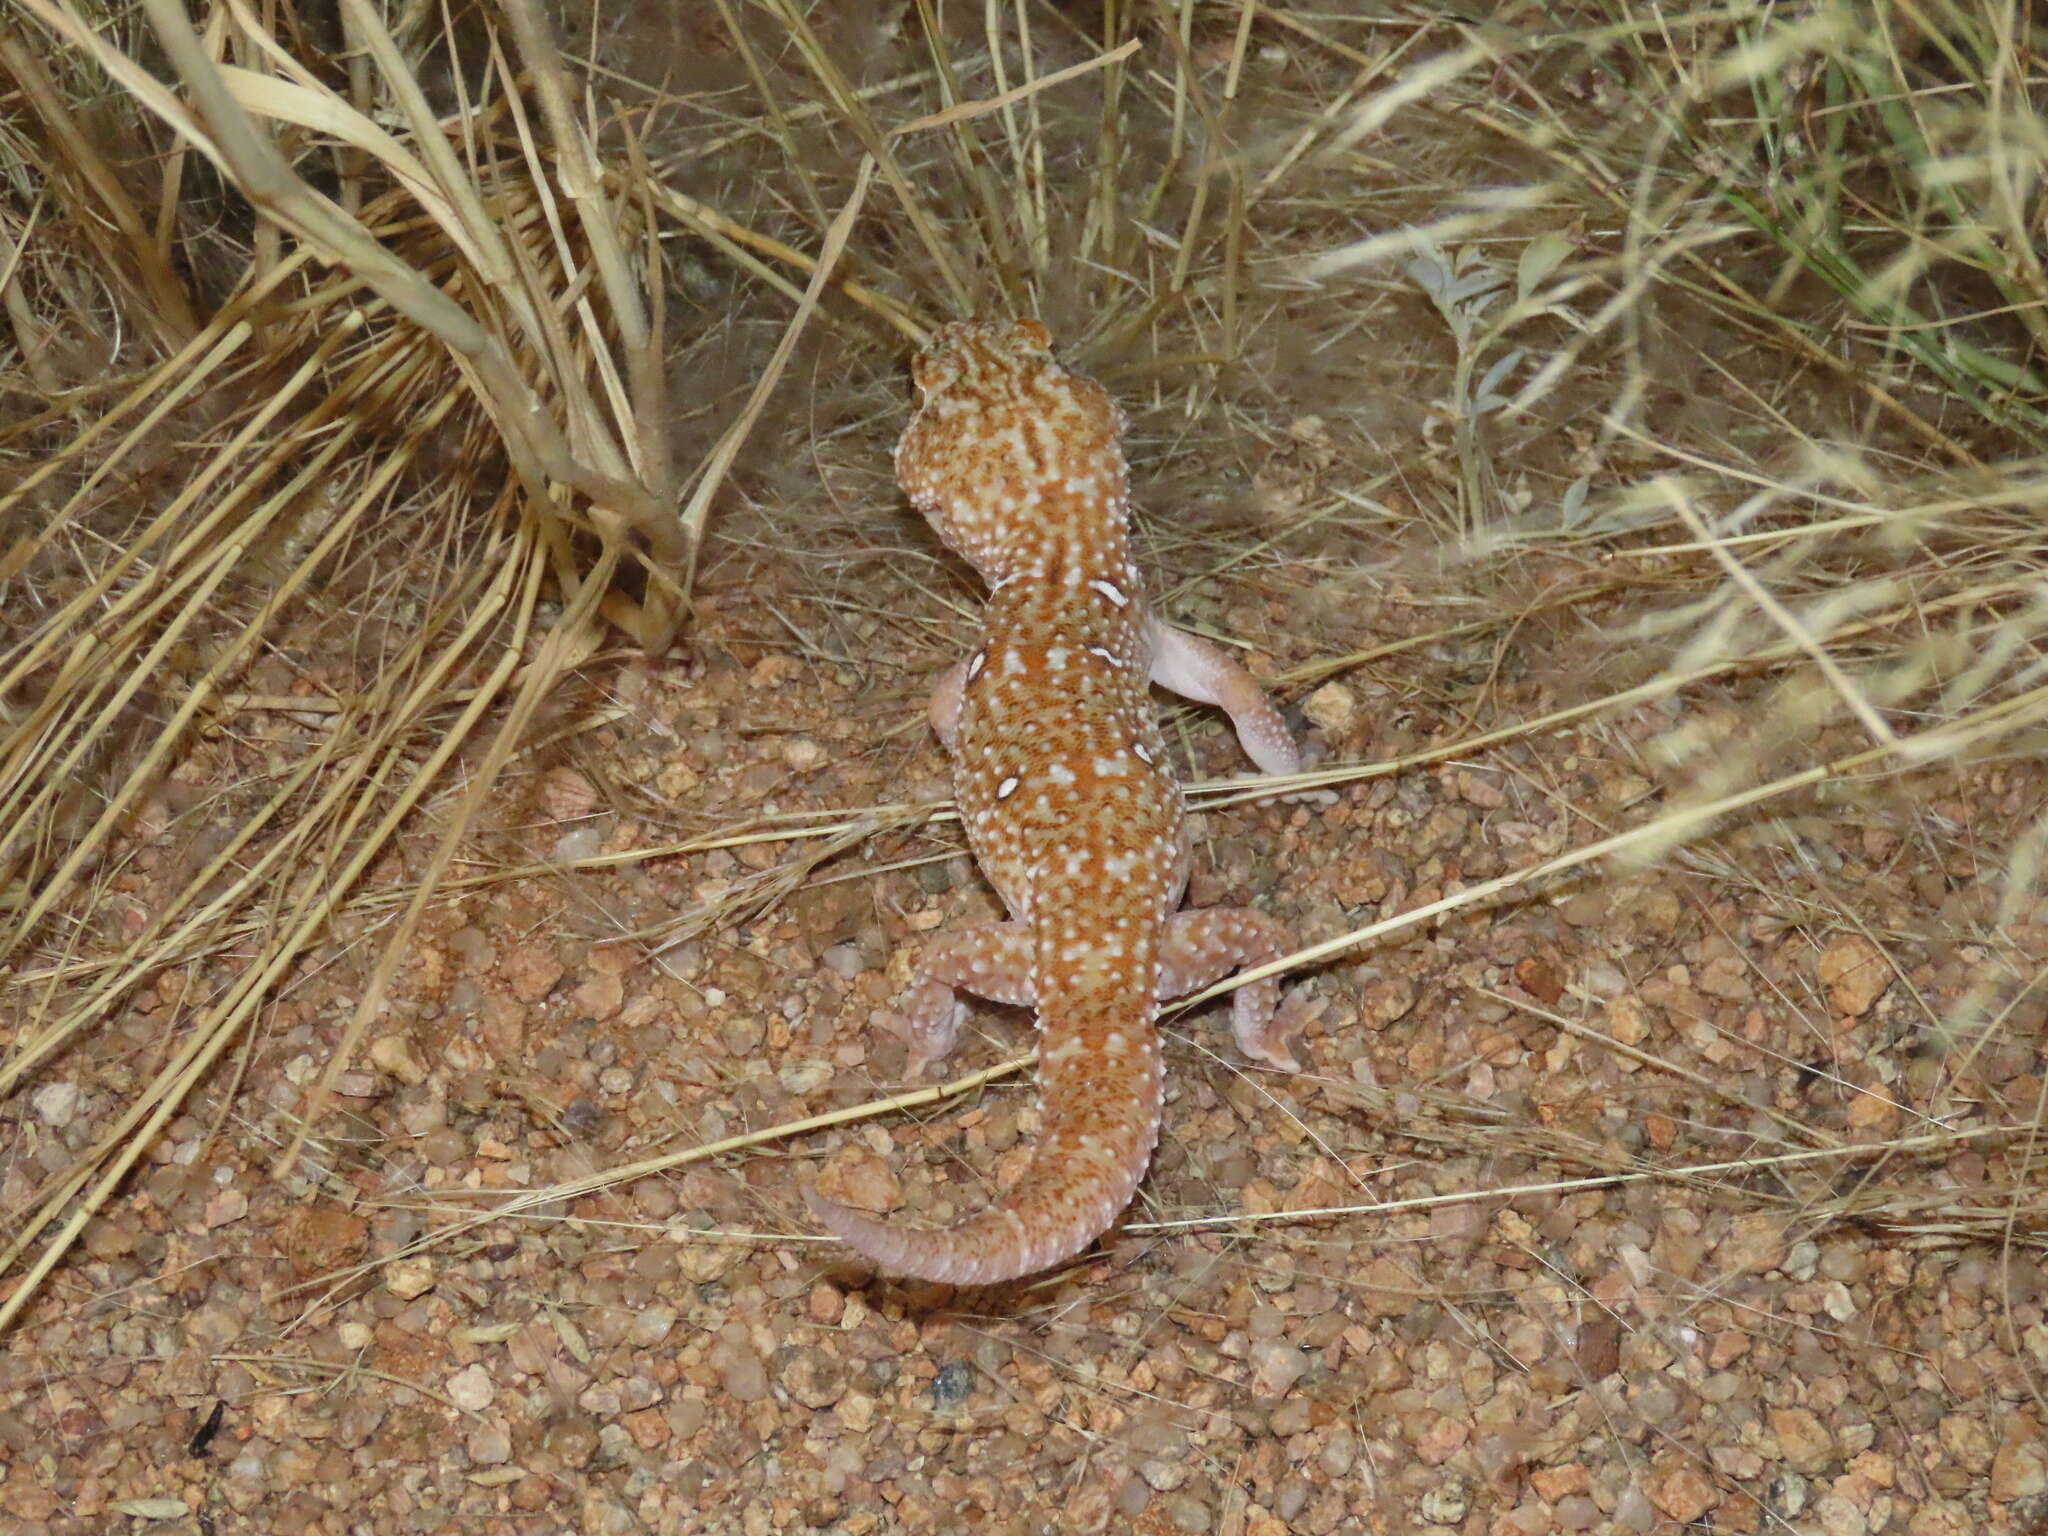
x: 945, y: 706
x: 1181, y: 663
x: 1195, y: 669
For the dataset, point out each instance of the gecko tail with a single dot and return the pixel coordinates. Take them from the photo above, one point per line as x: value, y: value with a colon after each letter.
x: 1101, y: 1083
x: 1000, y: 1244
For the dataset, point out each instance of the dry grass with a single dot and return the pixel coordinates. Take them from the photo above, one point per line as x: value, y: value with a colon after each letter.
x: 344, y: 426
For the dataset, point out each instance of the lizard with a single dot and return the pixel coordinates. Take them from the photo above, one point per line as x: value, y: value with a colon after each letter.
x: 1069, y: 802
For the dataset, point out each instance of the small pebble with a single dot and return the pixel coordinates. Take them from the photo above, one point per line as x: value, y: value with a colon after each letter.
x: 650, y: 1326
x: 1445, y: 1504
x: 1291, y: 1418
x: 740, y: 1370
x: 471, y: 1389
x: 394, y: 1056
x: 1332, y: 708
x: 489, y: 1445
x: 1802, y: 1259
x: 637, y: 1393
x: 1339, y: 1451
x: 1276, y: 1367
x: 803, y: 754
x: 1164, y: 1476
x: 1633, y: 1511
x: 1576, y: 1512
x: 445, y: 1147
x: 827, y: 1303
x: 407, y: 1278
x: 805, y: 1077
x: 55, y: 1103
x: 226, y: 1206
x: 584, y: 840
x: 813, y: 1377
x: 953, y: 1385
x: 105, y: 1239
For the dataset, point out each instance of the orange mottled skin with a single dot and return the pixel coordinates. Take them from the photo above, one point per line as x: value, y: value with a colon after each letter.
x: 1067, y: 796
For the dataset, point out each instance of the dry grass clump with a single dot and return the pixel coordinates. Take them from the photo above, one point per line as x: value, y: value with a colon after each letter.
x: 323, y: 517
x: 345, y: 433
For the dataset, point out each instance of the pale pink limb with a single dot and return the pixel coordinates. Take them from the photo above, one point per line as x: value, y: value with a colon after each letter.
x: 991, y: 960
x: 1206, y: 945
x: 945, y: 705
x: 1195, y: 669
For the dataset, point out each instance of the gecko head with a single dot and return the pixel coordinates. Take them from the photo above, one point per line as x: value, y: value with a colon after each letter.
x: 1010, y: 456
x: 979, y: 346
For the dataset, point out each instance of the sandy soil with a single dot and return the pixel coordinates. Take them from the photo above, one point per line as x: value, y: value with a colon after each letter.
x: 1534, y: 1321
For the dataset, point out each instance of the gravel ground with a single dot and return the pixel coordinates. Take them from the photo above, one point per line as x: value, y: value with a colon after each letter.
x: 1520, y: 1331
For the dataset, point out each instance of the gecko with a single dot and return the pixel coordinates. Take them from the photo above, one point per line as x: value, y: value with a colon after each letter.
x: 1069, y: 802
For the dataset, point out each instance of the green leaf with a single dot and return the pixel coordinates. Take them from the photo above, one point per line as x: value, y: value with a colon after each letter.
x: 1495, y: 377
x: 1571, y: 510
x: 1540, y: 257
x: 1430, y: 277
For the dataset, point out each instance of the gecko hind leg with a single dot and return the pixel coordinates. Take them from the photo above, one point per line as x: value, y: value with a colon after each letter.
x: 1207, y: 944
x: 991, y: 960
